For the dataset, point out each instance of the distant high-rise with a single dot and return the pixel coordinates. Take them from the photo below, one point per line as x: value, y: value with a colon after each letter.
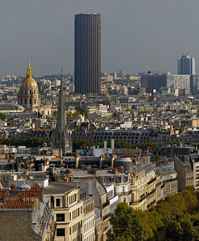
x: 87, y: 53
x: 153, y: 81
x: 186, y: 65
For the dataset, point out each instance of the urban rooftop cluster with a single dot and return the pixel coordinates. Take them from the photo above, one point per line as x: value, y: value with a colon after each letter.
x: 82, y: 154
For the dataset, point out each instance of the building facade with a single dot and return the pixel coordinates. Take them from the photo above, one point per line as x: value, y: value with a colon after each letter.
x: 146, y: 187
x: 74, y: 217
x: 184, y: 170
x: 186, y: 65
x: 179, y: 84
x: 87, y: 53
x: 194, y: 84
x: 153, y: 81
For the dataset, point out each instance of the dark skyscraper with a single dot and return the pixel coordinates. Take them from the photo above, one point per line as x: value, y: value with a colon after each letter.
x: 87, y: 53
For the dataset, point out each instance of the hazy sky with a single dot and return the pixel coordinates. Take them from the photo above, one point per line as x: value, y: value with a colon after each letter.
x: 135, y: 33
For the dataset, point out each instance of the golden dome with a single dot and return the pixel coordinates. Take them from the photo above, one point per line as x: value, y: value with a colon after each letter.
x: 28, y: 95
x: 29, y: 82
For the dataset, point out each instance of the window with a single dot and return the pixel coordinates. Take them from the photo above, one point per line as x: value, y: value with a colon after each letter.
x: 72, y: 198
x: 60, y: 217
x: 61, y: 232
x: 52, y: 202
x: 76, y: 213
x: 57, y: 202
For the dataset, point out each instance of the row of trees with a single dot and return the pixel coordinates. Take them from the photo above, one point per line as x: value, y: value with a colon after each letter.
x: 24, y: 141
x: 175, y: 219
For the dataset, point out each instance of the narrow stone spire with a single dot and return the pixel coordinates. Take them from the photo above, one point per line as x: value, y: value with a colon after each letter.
x: 60, y: 127
x: 60, y: 136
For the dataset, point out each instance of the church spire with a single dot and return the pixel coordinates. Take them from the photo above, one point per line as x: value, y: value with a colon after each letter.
x: 61, y: 119
x: 29, y: 72
x: 60, y: 136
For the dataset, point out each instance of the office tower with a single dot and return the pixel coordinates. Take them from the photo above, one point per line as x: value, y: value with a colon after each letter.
x: 87, y: 53
x: 186, y: 65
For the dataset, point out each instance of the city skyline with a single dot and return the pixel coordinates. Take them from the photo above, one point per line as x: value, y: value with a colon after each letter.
x: 132, y: 38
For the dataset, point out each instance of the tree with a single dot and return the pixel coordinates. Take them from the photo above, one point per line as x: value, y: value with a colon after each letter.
x: 33, y: 141
x: 174, y: 219
x: 125, y: 225
x: 173, y: 231
x: 181, y: 229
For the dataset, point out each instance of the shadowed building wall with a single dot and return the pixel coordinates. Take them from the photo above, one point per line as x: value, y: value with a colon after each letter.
x: 87, y: 53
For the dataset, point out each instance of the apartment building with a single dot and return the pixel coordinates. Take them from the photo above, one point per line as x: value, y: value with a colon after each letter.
x: 105, y: 200
x: 184, y: 168
x: 169, y: 181
x: 195, y: 163
x: 121, y: 182
x: 145, y: 186
x: 88, y: 222
x: 74, y: 217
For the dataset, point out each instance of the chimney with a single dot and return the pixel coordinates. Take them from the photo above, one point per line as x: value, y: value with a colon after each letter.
x: 77, y: 162
x: 101, y: 161
x: 113, y: 161
x: 112, y: 144
x: 105, y: 146
x: 90, y: 187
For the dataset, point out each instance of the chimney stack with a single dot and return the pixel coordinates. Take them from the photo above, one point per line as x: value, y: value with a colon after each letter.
x: 77, y: 162
x: 105, y: 146
x: 112, y: 144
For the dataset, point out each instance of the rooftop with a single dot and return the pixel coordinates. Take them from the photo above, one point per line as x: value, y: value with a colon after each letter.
x: 59, y: 188
x: 16, y: 226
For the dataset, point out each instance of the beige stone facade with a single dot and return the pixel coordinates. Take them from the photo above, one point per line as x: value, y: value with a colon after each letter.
x: 75, y: 218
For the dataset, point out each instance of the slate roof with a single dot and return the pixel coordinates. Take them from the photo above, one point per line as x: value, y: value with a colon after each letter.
x: 16, y: 225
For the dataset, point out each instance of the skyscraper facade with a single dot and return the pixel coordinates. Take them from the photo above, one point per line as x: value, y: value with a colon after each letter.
x: 186, y: 65
x: 87, y: 53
